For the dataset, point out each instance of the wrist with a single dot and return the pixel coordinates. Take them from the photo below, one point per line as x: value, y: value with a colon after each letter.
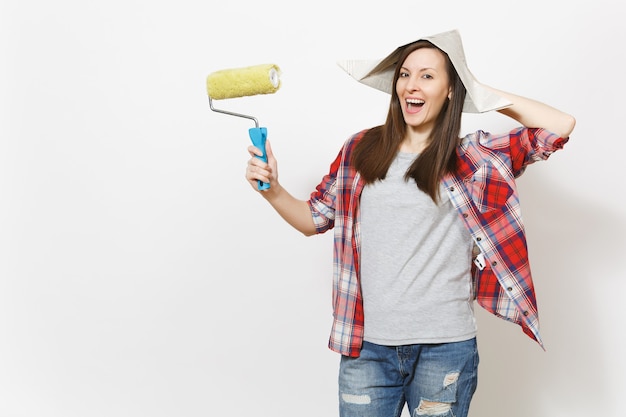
x: 272, y: 193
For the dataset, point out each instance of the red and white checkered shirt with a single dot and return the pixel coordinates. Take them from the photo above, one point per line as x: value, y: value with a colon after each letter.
x: 484, y: 192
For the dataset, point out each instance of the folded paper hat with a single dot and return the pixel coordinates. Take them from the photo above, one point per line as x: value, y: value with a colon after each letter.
x: 379, y: 73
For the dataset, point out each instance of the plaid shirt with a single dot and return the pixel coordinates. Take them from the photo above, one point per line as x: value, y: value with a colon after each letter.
x: 485, y: 195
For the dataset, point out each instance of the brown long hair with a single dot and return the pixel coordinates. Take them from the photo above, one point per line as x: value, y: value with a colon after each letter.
x: 375, y: 152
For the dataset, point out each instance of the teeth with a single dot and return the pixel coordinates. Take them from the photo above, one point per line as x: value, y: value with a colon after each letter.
x: 414, y: 101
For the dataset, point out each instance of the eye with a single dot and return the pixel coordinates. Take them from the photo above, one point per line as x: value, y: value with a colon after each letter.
x: 427, y: 76
x: 403, y: 74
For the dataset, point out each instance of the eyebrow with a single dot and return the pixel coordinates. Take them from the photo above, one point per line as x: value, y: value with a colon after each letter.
x: 420, y: 69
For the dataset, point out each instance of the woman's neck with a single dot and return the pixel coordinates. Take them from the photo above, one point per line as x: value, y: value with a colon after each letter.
x: 414, y: 142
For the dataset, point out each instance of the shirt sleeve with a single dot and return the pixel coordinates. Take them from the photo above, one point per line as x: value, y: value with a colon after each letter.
x: 529, y: 145
x: 322, y: 201
x: 523, y: 146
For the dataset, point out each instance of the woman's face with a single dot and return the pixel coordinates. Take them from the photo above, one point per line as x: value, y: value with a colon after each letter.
x: 423, y: 88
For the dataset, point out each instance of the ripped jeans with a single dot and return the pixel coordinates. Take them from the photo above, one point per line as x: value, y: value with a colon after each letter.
x: 432, y: 379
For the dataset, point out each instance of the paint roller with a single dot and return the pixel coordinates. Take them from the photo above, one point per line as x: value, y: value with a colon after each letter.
x: 242, y: 82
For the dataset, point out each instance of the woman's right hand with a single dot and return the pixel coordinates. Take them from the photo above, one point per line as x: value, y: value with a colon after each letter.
x: 296, y: 212
x: 257, y: 170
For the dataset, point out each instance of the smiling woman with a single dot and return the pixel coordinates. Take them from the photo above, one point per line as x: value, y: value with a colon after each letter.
x: 411, y: 202
x: 139, y: 276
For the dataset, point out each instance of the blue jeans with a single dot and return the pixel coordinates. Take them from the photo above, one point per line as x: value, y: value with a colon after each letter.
x: 432, y: 379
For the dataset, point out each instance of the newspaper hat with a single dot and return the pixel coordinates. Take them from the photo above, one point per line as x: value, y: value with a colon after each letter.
x: 379, y: 73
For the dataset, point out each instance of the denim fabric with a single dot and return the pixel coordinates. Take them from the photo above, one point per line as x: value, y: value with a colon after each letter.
x: 431, y: 379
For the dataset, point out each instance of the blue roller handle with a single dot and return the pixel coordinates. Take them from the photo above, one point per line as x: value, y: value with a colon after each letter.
x: 259, y: 137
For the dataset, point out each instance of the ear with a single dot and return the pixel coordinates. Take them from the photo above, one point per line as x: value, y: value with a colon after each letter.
x: 449, y: 93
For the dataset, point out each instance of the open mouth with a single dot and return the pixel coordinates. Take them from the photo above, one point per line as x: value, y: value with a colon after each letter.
x: 414, y: 103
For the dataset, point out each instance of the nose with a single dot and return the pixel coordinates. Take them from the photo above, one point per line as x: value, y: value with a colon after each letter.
x: 412, y: 83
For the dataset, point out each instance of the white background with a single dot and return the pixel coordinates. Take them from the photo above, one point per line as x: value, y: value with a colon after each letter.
x: 140, y: 275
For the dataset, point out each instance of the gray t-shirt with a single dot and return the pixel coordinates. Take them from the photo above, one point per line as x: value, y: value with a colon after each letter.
x: 415, y: 264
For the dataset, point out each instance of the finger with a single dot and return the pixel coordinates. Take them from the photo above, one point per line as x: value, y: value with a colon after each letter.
x: 256, y: 168
x: 254, y: 151
x: 254, y: 173
x: 268, y: 149
x: 257, y: 162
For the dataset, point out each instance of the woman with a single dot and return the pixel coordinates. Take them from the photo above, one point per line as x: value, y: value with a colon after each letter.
x: 412, y: 204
